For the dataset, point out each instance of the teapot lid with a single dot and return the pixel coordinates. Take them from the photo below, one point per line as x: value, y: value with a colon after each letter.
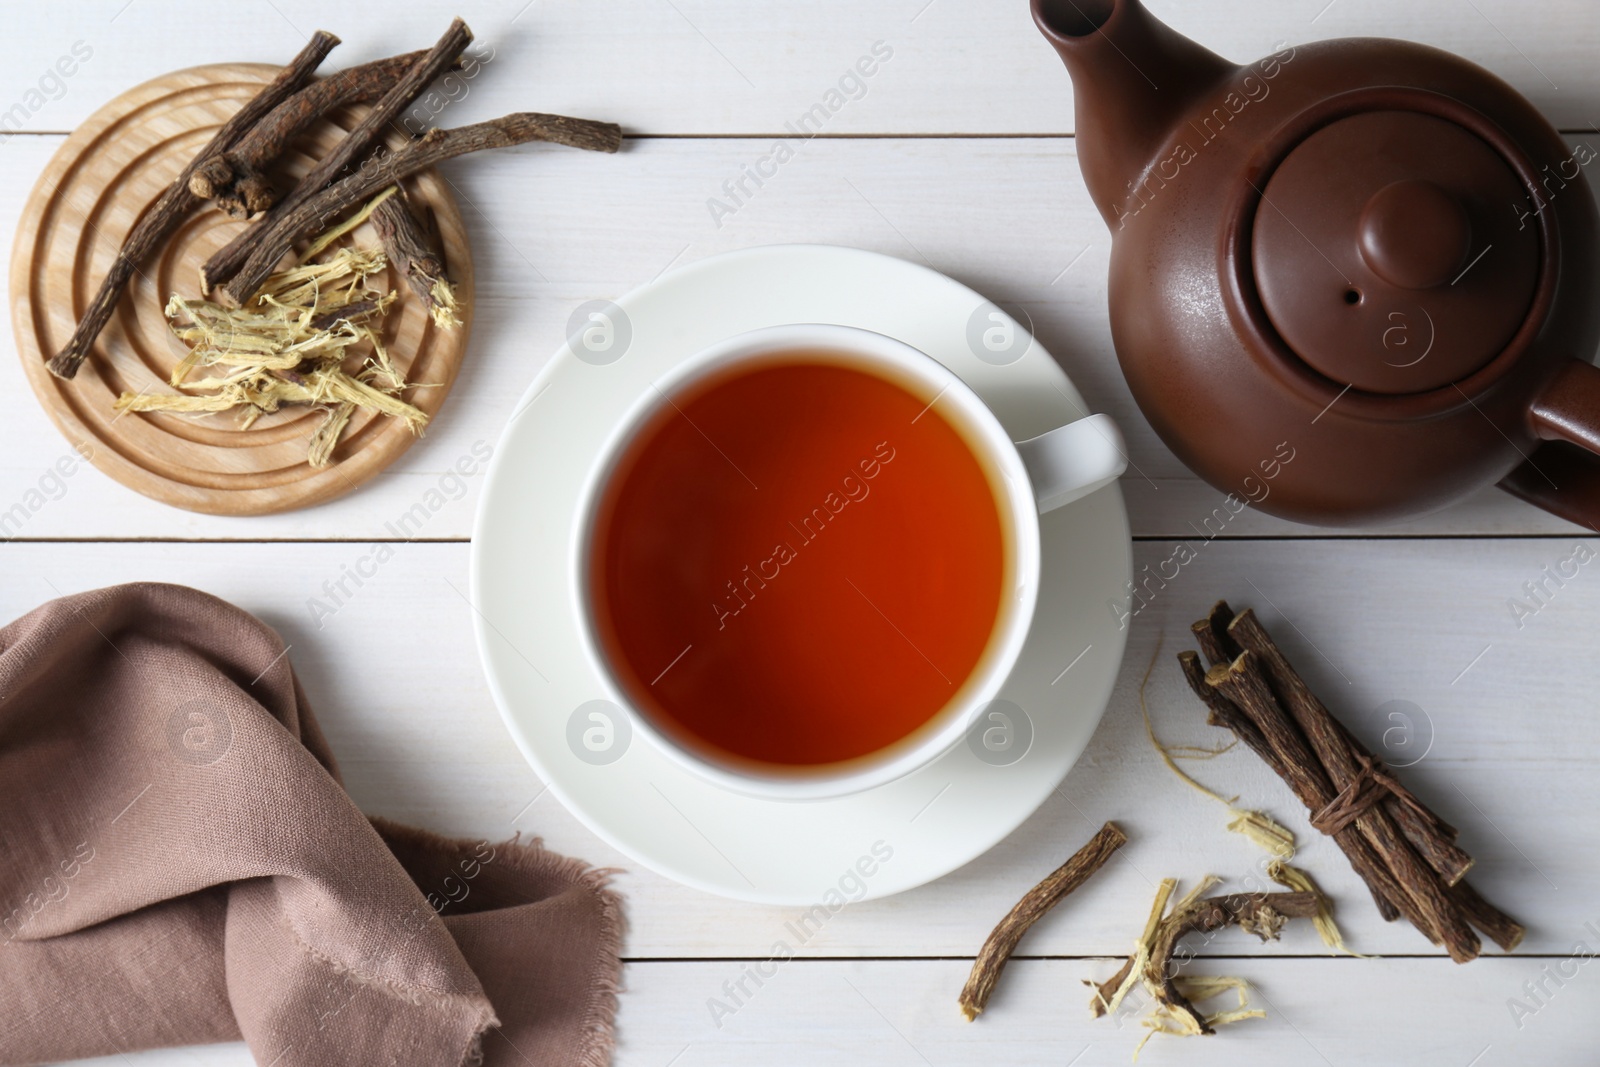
x: 1393, y: 251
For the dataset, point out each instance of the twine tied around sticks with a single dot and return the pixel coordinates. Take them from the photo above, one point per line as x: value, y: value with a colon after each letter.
x: 1371, y: 782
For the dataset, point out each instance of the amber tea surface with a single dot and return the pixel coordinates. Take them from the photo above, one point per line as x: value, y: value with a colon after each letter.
x: 797, y: 562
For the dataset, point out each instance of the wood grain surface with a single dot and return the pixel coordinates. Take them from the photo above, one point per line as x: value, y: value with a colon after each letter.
x: 960, y: 154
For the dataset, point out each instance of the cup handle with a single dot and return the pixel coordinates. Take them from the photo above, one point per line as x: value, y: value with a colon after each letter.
x: 1074, y: 460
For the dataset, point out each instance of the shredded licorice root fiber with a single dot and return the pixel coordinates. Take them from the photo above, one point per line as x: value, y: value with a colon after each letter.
x: 290, y: 345
x: 1151, y: 965
x: 1276, y: 840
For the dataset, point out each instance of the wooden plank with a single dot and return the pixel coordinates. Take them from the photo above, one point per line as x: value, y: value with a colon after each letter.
x: 1429, y: 1013
x: 1502, y: 714
x: 552, y: 228
x: 727, y: 67
x: 903, y: 1012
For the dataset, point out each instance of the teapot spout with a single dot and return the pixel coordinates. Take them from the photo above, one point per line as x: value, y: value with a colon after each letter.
x: 1133, y: 77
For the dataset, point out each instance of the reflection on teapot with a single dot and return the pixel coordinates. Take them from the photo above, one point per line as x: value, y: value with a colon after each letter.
x: 1368, y: 251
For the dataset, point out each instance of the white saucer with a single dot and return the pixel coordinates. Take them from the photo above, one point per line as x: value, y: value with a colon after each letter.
x: 527, y: 624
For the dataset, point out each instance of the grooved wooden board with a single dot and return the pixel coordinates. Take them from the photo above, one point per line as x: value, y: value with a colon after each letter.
x: 94, y: 190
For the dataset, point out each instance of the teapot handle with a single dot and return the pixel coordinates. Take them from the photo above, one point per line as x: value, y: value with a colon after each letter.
x: 1558, y: 477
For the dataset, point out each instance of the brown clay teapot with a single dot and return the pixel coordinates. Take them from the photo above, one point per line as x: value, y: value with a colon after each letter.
x: 1370, y: 256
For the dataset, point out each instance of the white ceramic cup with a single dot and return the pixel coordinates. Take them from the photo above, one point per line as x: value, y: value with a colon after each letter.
x: 1035, y: 476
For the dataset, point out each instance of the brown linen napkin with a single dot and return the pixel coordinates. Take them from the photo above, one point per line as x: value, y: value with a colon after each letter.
x: 179, y: 864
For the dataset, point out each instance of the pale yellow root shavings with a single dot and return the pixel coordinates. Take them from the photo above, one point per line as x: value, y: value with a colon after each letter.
x: 290, y: 346
x: 1161, y: 1019
x: 1198, y: 988
x: 1100, y: 1005
x: 1297, y: 880
x: 330, y: 236
x: 446, y: 309
x: 1275, y: 839
x: 319, y: 450
x: 1141, y: 954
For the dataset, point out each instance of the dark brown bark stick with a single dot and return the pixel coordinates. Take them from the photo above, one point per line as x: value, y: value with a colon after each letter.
x: 1416, y: 850
x: 1401, y: 797
x: 236, y: 179
x: 1262, y: 914
x: 177, y: 202
x: 412, y: 253
x: 232, y: 257
x: 433, y: 147
x: 1340, y: 752
x: 1493, y: 923
x: 1326, y: 738
x: 349, y: 313
x: 1030, y: 909
x: 1211, y: 634
x: 1433, y: 837
x: 1247, y: 687
x: 1223, y: 712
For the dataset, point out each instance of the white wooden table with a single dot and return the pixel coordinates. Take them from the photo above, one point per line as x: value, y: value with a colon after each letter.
x: 960, y: 155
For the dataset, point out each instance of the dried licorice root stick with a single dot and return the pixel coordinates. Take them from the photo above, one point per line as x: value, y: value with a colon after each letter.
x: 1493, y: 923
x: 355, y: 144
x: 1151, y: 965
x: 1432, y: 837
x: 1294, y: 762
x: 1211, y: 634
x: 1405, y: 852
x: 235, y: 179
x: 1428, y: 835
x: 1245, y: 683
x: 433, y: 147
x: 1262, y: 914
x: 412, y: 253
x: 157, y: 224
x: 1029, y: 910
x: 1344, y: 757
x: 1258, y: 826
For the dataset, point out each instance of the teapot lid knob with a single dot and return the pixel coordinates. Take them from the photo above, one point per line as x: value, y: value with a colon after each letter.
x: 1414, y: 234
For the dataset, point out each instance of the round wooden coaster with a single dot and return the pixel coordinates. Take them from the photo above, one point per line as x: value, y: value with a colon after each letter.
x: 105, y: 176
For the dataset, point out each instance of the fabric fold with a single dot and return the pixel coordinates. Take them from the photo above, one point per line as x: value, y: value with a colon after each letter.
x: 179, y: 863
